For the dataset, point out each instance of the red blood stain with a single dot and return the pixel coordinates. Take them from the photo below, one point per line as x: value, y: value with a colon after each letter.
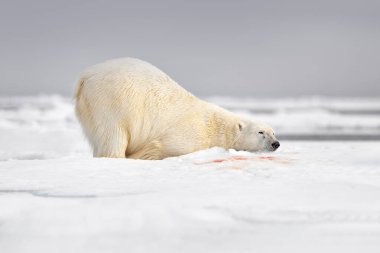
x: 218, y: 161
x: 267, y: 157
x: 243, y: 158
x: 240, y: 158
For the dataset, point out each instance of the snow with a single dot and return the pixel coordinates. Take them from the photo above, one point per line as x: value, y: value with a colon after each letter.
x: 308, y: 196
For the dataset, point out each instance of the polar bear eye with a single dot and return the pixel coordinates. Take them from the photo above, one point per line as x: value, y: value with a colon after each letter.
x: 261, y: 132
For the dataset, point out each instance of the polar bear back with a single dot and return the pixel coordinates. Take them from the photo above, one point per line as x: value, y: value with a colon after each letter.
x: 126, y: 74
x: 130, y: 82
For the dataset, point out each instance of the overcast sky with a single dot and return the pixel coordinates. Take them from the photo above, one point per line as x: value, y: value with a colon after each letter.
x: 232, y: 48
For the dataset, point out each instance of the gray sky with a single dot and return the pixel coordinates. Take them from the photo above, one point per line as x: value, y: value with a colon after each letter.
x: 233, y: 48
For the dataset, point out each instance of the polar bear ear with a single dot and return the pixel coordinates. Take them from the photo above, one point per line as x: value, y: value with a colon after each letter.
x: 241, y: 126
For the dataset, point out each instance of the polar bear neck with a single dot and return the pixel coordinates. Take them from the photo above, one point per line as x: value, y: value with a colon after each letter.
x: 223, y: 127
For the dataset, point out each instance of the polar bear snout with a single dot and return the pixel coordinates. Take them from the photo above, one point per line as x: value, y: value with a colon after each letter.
x: 275, y: 145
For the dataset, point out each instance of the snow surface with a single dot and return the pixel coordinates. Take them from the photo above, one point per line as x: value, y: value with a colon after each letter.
x: 306, y: 197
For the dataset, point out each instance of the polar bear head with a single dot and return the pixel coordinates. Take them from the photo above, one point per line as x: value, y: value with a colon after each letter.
x: 255, y: 136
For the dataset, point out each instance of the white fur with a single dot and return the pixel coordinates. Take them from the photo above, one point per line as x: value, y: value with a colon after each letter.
x: 129, y: 108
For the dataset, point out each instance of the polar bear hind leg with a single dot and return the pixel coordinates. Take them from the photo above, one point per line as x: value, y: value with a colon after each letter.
x: 107, y: 138
x: 109, y: 141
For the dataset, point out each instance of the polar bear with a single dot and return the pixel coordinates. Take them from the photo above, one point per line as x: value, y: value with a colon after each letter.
x: 129, y: 108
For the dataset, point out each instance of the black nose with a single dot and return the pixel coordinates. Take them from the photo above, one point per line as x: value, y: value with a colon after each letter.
x: 275, y: 144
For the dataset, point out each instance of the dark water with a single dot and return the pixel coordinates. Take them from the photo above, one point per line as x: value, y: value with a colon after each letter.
x: 330, y: 137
